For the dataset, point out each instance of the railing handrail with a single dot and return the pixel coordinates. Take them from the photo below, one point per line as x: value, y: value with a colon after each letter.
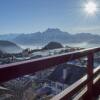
x: 14, y: 70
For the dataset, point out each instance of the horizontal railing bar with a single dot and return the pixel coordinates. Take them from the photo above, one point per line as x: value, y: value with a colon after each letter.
x: 18, y: 69
x: 80, y: 94
x: 97, y: 69
x: 74, y: 88
x: 96, y: 73
x: 96, y: 79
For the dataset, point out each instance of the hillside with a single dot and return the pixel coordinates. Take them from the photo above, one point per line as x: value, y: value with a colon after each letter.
x: 9, y: 47
x: 52, y: 45
x: 1, y: 52
x: 49, y: 35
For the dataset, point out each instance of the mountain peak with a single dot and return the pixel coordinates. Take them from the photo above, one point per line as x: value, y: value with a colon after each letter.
x: 53, y: 30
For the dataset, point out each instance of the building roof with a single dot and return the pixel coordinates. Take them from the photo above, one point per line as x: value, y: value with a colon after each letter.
x: 44, y: 90
x: 73, y: 73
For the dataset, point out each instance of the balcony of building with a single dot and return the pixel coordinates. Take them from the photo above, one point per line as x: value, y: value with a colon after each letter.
x: 86, y: 88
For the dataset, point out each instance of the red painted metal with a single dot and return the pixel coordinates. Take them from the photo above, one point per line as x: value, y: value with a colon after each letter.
x: 90, y: 75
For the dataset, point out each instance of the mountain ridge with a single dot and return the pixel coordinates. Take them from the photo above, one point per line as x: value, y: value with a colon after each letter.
x: 54, y: 34
x: 58, y: 36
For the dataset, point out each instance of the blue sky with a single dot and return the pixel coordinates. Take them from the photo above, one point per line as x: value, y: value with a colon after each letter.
x: 26, y: 16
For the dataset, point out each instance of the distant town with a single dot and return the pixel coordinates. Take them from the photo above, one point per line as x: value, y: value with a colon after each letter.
x: 50, y: 49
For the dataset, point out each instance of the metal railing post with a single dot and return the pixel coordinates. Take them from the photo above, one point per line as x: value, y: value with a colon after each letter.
x: 90, y: 64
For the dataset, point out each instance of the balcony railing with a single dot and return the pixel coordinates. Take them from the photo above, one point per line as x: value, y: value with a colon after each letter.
x: 88, y: 86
